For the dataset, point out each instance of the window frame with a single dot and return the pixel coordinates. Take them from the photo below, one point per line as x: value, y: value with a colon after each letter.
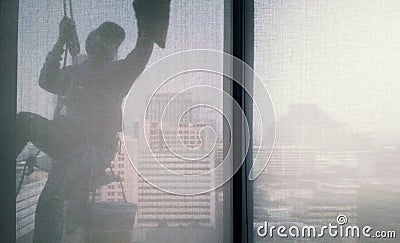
x: 8, y: 77
x: 238, y: 192
x: 238, y: 41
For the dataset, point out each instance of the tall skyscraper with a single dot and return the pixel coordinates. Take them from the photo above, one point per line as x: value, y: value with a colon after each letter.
x: 157, y: 207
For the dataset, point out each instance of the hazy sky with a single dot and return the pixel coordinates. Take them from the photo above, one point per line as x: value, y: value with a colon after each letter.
x: 342, y: 55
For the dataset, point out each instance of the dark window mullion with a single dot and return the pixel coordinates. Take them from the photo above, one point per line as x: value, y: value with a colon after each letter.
x: 242, y: 47
x: 8, y: 79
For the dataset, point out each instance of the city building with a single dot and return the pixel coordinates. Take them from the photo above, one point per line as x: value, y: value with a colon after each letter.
x: 157, y: 207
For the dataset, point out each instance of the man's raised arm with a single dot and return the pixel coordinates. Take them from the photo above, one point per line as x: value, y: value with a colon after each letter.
x: 152, y: 20
x: 52, y: 78
x: 135, y: 62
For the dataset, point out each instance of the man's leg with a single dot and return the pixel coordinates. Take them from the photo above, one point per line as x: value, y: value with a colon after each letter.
x: 67, y: 181
x: 77, y: 193
x: 36, y: 129
x: 50, y: 207
x: 49, y: 217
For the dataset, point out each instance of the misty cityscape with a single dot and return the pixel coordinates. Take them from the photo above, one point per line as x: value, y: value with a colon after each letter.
x: 311, y: 177
x: 314, y: 175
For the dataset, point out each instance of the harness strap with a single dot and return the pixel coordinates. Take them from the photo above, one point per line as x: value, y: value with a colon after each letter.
x: 112, y: 171
x: 122, y: 187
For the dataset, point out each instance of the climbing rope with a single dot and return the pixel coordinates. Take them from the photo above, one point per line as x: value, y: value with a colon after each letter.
x: 72, y: 43
x: 29, y: 162
x: 74, y: 56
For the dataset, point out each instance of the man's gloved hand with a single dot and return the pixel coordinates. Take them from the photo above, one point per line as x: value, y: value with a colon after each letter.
x: 153, y: 19
x: 65, y: 27
x: 68, y: 35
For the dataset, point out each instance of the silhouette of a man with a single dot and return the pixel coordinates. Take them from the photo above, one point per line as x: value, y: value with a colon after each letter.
x: 83, y: 138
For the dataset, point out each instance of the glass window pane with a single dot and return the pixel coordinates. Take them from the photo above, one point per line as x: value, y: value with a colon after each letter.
x: 331, y: 68
x: 159, y: 216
